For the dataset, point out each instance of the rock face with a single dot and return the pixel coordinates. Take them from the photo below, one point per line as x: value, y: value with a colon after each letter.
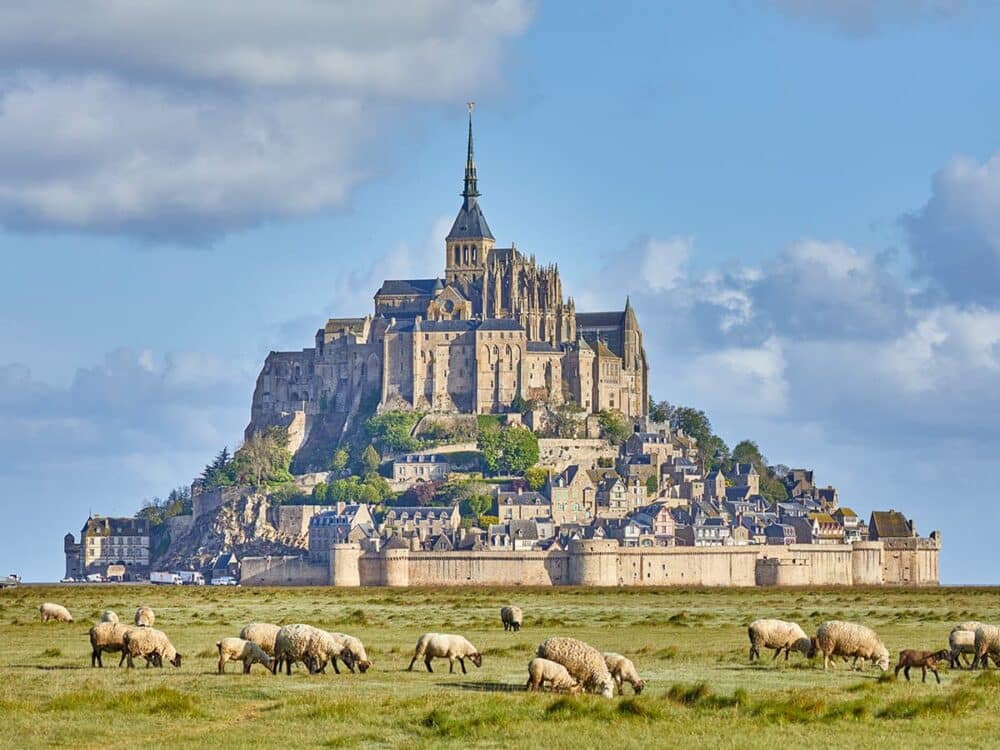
x: 243, y: 525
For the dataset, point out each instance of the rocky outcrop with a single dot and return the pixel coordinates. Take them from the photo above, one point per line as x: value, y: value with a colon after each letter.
x: 244, y: 525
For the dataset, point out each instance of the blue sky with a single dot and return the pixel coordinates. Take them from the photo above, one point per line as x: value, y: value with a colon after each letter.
x: 801, y: 197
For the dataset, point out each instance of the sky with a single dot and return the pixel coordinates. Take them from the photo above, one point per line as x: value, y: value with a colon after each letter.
x: 801, y: 197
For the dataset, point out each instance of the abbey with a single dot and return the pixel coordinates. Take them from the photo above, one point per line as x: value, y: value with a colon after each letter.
x: 492, y: 331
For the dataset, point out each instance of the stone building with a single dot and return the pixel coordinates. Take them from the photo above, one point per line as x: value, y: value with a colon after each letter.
x: 493, y: 329
x: 109, y: 541
x: 418, y: 467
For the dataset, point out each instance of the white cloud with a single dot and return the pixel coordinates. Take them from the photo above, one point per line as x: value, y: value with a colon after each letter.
x: 664, y: 262
x: 183, y: 120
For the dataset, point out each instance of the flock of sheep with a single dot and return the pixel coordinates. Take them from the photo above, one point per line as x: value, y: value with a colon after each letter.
x: 848, y: 639
x: 566, y: 664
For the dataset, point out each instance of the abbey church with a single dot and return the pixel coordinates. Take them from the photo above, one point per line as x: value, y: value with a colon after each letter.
x: 494, y: 330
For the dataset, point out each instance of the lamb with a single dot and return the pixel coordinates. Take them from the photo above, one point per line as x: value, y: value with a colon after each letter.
x: 511, y: 617
x: 541, y: 671
x: 109, y: 616
x: 779, y: 635
x: 987, y: 646
x: 357, y: 649
x: 444, y: 646
x: 238, y: 649
x: 585, y: 663
x: 839, y: 638
x: 623, y: 670
x: 310, y: 645
x: 151, y: 644
x: 924, y: 659
x: 144, y: 617
x: 57, y: 612
x: 110, y: 637
x: 263, y: 634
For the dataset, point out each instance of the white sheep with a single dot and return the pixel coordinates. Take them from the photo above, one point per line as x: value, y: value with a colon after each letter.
x: 151, y: 644
x: 961, y: 642
x: 145, y: 617
x: 109, y: 615
x: 512, y: 618
x: 263, y: 634
x: 445, y: 646
x: 57, y: 612
x: 541, y: 671
x: 238, y: 649
x: 584, y: 662
x: 110, y: 637
x: 310, y: 645
x: 839, y: 638
x: 357, y: 649
x: 779, y: 635
x: 987, y: 646
x: 623, y: 670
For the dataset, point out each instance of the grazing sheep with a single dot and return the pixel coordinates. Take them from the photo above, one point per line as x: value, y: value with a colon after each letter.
x: 109, y: 616
x: 987, y: 646
x: 511, y: 617
x: 57, y: 612
x: 151, y: 644
x: 263, y: 634
x: 238, y: 649
x: 541, y: 671
x: 145, y: 617
x: 779, y: 635
x: 962, y: 643
x: 970, y: 625
x: 357, y: 649
x: 924, y: 659
x: 310, y: 645
x: 585, y: 663
x: 623, y: 670
x: 444, y: 646
x: 110, y: 637
x: 839, y: 638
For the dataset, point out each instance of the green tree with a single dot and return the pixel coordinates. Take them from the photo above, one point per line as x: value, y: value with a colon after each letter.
x: 341, y: 459
x: 661, y: 411
x: 319, y: 493
x: 370, y: 461
x: 392, y: 430
x: 614, y: 426
x: 218, y: 473
x: 477, y: 505
x: 537, y: 477
x: 748, y: 452
x: 510, y: 451
x: 264, y: 459
x: 652, y: 486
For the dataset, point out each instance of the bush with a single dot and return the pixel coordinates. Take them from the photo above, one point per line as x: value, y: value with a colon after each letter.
x: 392, y: 430
x: 510, y: 451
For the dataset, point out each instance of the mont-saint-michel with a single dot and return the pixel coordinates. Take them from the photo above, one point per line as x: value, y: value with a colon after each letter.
x: 475, y: 428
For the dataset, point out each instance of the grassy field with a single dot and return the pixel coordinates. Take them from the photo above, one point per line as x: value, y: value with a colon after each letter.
x: 689, y: 645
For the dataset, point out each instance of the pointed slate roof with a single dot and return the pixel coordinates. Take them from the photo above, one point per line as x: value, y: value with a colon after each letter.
x: 470, y: 222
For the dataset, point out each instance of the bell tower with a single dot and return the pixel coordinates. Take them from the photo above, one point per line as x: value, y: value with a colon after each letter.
x: 468, y: 243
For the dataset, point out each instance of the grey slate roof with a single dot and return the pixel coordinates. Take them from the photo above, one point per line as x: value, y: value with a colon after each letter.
x: 500, y: 324
x: 600, y: 320
x: 543, y: 347
x: 408, y: 286
x: 470, y: 222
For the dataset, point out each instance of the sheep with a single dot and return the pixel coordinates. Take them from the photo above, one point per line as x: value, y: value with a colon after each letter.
x: 109, y: 616
x: 57, y: 612
x: 623, y: 670
x: 779, y: 635
x: 238, y: 649
x: 839, y: 638
x: 444, y: 646
x: 261, y: 633
x: 924, y: 659
x: 541, y: 671
x: 310, y: 645
x: 961, y: 642
x: 511, y: 617
x: 987, y: 646
x: 151, y: 644
x: 357, y: 649
x: 585, y: 663
x: 110, y: 637
x: 145, y: 617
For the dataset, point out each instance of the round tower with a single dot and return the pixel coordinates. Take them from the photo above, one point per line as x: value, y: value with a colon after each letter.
x: 593, y: 562
x: 345, y: 565
x: 396, y: 567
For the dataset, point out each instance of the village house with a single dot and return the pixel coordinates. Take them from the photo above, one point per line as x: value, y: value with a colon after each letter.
x: 416, y: 467
x: 573, y: 496
x: 108, y: 542
x: 780, y: 533
x: 424, y: 522
x: 345, y: 523
x: 889, y: 525
x: 660, y: 520
x: 522, y: 506
x: 745, y: 475
x: 851, y: 523
x: 712, y: 532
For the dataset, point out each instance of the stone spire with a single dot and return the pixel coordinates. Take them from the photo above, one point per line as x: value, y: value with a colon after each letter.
x: 470, y: 190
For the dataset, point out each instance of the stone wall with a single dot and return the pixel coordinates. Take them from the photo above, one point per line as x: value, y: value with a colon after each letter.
x: 558, y: 453
x: 293, y: 520
x: 209, y: 501
x: 604, y: 563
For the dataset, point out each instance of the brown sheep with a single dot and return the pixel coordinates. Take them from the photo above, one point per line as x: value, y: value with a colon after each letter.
x: 924, y: 659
